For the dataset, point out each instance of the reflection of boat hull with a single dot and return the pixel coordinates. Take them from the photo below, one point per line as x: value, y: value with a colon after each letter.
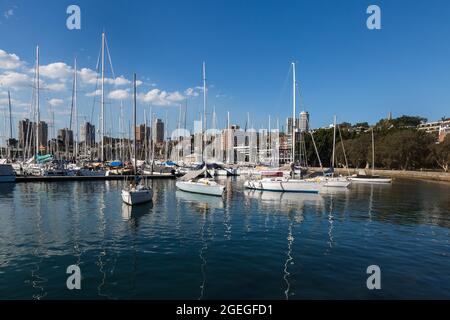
x: 370, y: 179
x: 198, y: 199
x: 7, y: 178
x: 133, y: 197
x: 284, y: 185
x: 92, y: 173
x: 212, y: 189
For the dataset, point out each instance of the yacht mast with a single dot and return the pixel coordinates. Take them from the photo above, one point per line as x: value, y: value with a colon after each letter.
x: 10, y: 121
x: 134, y: 121
x: 293, y: 112
x: 204, y: 112
x: 334, y: 144
x: 228, y: 144
x: 373, y: 154
x: 37, y: 102
x: 102, y: 120
x: 76, y: 109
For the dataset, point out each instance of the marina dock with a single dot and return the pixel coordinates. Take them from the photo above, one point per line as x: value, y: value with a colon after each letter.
x: 87, y: 178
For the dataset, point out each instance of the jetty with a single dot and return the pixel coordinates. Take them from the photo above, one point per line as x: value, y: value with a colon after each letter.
x: 88, y: 178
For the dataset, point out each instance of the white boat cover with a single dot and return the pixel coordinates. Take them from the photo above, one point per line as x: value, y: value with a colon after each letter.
x: 191, y: 175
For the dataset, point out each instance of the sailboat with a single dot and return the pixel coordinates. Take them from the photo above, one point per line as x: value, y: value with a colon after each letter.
x: 363, y: 177
x: 283, y: 184
x: 201, y: 181
x: 332, y: 180
x: 137, y: 192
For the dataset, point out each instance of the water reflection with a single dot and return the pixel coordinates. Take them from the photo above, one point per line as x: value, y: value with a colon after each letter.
x: 133, y: 214
x: 38, y: 281
x: 199, y: 201
x: 6, y: 189
x: 281, y: 241
x: 285, y: 201
x: 202, y: 255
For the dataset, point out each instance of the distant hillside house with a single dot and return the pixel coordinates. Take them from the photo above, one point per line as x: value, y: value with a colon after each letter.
x: 441, y: 128
x: 443, y: 132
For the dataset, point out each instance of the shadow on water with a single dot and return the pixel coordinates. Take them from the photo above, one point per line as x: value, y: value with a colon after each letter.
x: 205, y: 206
x: 134, y: 214
x: 38, y: 281
x: 200, y: 201
x: 6, y: 189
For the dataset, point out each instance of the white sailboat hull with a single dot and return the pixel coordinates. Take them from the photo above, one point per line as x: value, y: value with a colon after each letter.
x: 133, y: 197
x: 337, y: 183
x: 212, y: 189
x: 284, y: 185
x: 370, y: 180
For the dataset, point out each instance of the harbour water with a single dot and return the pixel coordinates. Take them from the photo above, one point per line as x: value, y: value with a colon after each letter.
x: 248, y: 245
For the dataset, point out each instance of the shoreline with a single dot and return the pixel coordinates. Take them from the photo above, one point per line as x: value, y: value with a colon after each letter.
x: 408, y: 174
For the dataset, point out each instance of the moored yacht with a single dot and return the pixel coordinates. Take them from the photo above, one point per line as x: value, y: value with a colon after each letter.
x: 137, y: 192
x: 200, y: 182
x: 7, y: 173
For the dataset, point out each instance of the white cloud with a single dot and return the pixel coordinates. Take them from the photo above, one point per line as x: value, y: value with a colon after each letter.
x: 161, y: 98
x: 8, y: 13
x: 118, y: 81
x: 62, y: 112
x: 97, y: 92
x: 56, y: 70
x: 56, y: 87
x: 190, y: 92
x: 88, y: 76
x: 14, y: 79
x: 14, y: 103
x: 55, y: 102
x: 9, y: 60
x: 119, y: 94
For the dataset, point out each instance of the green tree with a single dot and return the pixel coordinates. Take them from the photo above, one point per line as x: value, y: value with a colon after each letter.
x: 440, y: 153
x: 403, y: 149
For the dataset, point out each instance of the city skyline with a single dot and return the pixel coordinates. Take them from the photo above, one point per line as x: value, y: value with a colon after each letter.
x: 385, y: 71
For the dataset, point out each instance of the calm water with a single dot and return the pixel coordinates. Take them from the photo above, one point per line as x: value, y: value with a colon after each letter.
x: 247, y: 245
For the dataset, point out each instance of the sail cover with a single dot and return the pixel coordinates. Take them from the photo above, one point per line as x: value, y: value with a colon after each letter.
x: 191, y: 175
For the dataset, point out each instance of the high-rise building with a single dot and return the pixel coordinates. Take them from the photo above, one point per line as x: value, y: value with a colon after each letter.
x: 65, y: 136
x: 43, y: 133
x: 159, y: 131
x: 26, y: 133
x: 289, y: 123
x: 87, y: 134
x: 141, y: 133
x: 303, y: 121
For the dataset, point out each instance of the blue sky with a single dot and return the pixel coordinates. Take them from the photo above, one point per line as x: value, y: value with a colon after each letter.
x: 342, y: 67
